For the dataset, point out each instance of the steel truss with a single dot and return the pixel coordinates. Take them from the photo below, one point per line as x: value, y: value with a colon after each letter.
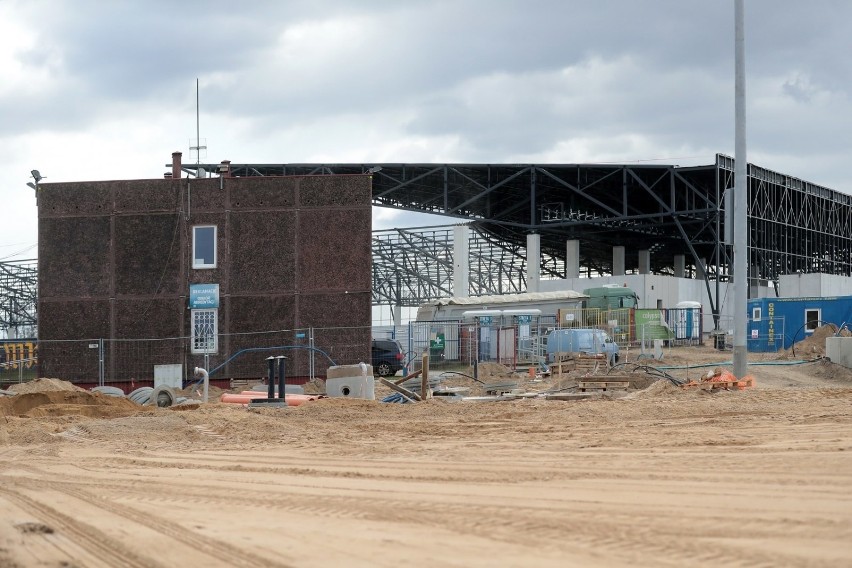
x: 794, y: 226
x: 18, y: 297
x: 413, y: 266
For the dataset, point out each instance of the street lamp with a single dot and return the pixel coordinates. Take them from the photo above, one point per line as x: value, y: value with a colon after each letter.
x: 37, y: 177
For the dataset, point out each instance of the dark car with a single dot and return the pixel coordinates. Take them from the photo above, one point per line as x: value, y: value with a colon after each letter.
x: 387, y: 357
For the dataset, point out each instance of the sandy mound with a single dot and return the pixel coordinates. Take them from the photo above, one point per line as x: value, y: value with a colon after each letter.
x: 814, y: 345
x: 63, y: 403
x: 44, y: 385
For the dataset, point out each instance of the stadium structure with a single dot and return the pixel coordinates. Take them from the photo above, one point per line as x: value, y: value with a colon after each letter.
x: 794, y: 226
x: 666, y: 211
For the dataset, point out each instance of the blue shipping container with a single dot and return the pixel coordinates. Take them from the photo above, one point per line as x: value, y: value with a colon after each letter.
x: 777, y: 323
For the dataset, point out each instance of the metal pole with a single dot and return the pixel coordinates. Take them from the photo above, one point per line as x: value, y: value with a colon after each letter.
x: 271, y: 377
x: 281, y: 380
x: 101, y: 362
x: 740, y: 201
x: 311, y: 360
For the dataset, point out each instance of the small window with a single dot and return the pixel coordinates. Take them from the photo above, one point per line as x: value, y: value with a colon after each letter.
x: 205, y: 331
x: 755, y: 314
x: 812, y: 319
x: 204, y: 246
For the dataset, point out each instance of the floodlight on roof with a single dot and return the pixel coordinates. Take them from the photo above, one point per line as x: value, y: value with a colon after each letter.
x: 36, y: 175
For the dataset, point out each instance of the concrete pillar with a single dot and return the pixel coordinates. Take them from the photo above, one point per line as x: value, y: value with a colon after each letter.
x: 753, y: 282
x: 533, y: 261
x: 461, y: 261
x: 644, y: 262
x: 572, y: 259
x: 618, y: 261
x: 397, y: 316
x: 679, y: 266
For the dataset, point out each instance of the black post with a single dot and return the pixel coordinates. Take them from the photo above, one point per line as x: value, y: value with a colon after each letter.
x: 281, y: 381
x: 271, y: 362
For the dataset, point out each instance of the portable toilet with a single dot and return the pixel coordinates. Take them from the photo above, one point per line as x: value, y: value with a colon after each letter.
x: 687, y: 320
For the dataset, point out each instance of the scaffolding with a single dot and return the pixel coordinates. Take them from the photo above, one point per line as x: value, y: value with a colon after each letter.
x: 18, y: 298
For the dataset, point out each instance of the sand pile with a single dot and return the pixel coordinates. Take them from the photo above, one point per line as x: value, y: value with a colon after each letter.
x: 55, y: 397
x: 44, y: 385
x: 814, y: 345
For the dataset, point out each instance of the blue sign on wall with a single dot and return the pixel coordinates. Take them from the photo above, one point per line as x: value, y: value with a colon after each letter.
x: 203, y: 296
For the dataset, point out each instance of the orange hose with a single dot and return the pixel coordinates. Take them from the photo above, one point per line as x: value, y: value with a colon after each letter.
x: 246, y: 397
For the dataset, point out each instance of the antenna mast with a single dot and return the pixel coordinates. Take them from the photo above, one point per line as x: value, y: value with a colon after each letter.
x: 198, y: 145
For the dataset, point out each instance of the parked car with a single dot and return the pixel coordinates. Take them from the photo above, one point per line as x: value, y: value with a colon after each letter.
x: 388, y: 357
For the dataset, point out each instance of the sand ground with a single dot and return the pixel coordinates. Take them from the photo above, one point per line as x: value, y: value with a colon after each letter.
x: 660, y: 477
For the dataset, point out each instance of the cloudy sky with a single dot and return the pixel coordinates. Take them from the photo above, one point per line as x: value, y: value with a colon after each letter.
x: 98, y: 89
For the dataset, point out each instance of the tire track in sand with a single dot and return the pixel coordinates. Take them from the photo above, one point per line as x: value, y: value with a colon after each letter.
x: 234, y: 556
x: 102, y: 547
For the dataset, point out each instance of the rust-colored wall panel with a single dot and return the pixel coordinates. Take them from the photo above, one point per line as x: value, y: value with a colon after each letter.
x: 147, y: 248
x: 65, y: 199
x: 262, y: 193
x: 205, y: 195
x: 340, y: 191
x: 149, y: 318
x: 334, y: 249
x: 73, y: 319
x: 334, y: 309
x: 148, y: 196
x: 262, y: 313
x: 263, y: 251
x: 73, y: 257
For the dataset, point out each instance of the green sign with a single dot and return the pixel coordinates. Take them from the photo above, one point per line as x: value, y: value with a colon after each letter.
x: 651, y: 325
x: 484, y: 320
x: 436, y: 345
x: 525, y: 319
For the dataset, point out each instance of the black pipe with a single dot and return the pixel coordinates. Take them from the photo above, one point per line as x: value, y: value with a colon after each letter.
x: 281, y: 381
x: 271, y: 362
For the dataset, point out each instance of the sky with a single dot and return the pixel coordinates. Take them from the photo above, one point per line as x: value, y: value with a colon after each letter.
x: 101, y: 90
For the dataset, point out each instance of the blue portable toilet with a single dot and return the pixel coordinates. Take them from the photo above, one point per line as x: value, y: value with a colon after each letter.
x: 685, y: 319
x: 777, y: 323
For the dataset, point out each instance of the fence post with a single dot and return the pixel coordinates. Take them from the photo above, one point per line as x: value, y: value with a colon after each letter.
x: 101, y: 362
x: 311, y: 362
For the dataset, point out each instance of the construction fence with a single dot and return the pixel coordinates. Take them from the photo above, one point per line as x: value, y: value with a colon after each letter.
x: 515, y: 342
x: 129, y: 363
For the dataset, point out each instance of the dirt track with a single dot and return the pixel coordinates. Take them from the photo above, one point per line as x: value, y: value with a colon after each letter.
x: 662, y: 477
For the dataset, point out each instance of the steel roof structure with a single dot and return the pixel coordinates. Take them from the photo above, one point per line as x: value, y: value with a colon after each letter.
x: 794, y: 225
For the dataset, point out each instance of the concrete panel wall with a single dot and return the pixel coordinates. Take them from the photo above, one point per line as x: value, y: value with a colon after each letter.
x: 839, y: 350
x: 814, y: 285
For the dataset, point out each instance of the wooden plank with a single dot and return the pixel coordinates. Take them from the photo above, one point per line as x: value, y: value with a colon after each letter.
x: 401, y: 390
x: 408, y: 376
x: 604, y: 384
x: 424, y: 378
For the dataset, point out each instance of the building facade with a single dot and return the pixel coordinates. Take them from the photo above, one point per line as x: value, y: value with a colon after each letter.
x: 215, y: 271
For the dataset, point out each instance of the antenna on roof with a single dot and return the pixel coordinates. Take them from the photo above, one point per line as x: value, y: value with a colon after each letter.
x: 199, y: 143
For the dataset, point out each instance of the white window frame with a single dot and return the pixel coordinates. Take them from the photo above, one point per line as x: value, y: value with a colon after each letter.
x: 198, y: 263
x: 197, y: 343
x: 818, y: 311
x: 756, y: 313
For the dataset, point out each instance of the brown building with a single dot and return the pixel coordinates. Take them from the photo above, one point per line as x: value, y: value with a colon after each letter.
x: 179, y: 271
